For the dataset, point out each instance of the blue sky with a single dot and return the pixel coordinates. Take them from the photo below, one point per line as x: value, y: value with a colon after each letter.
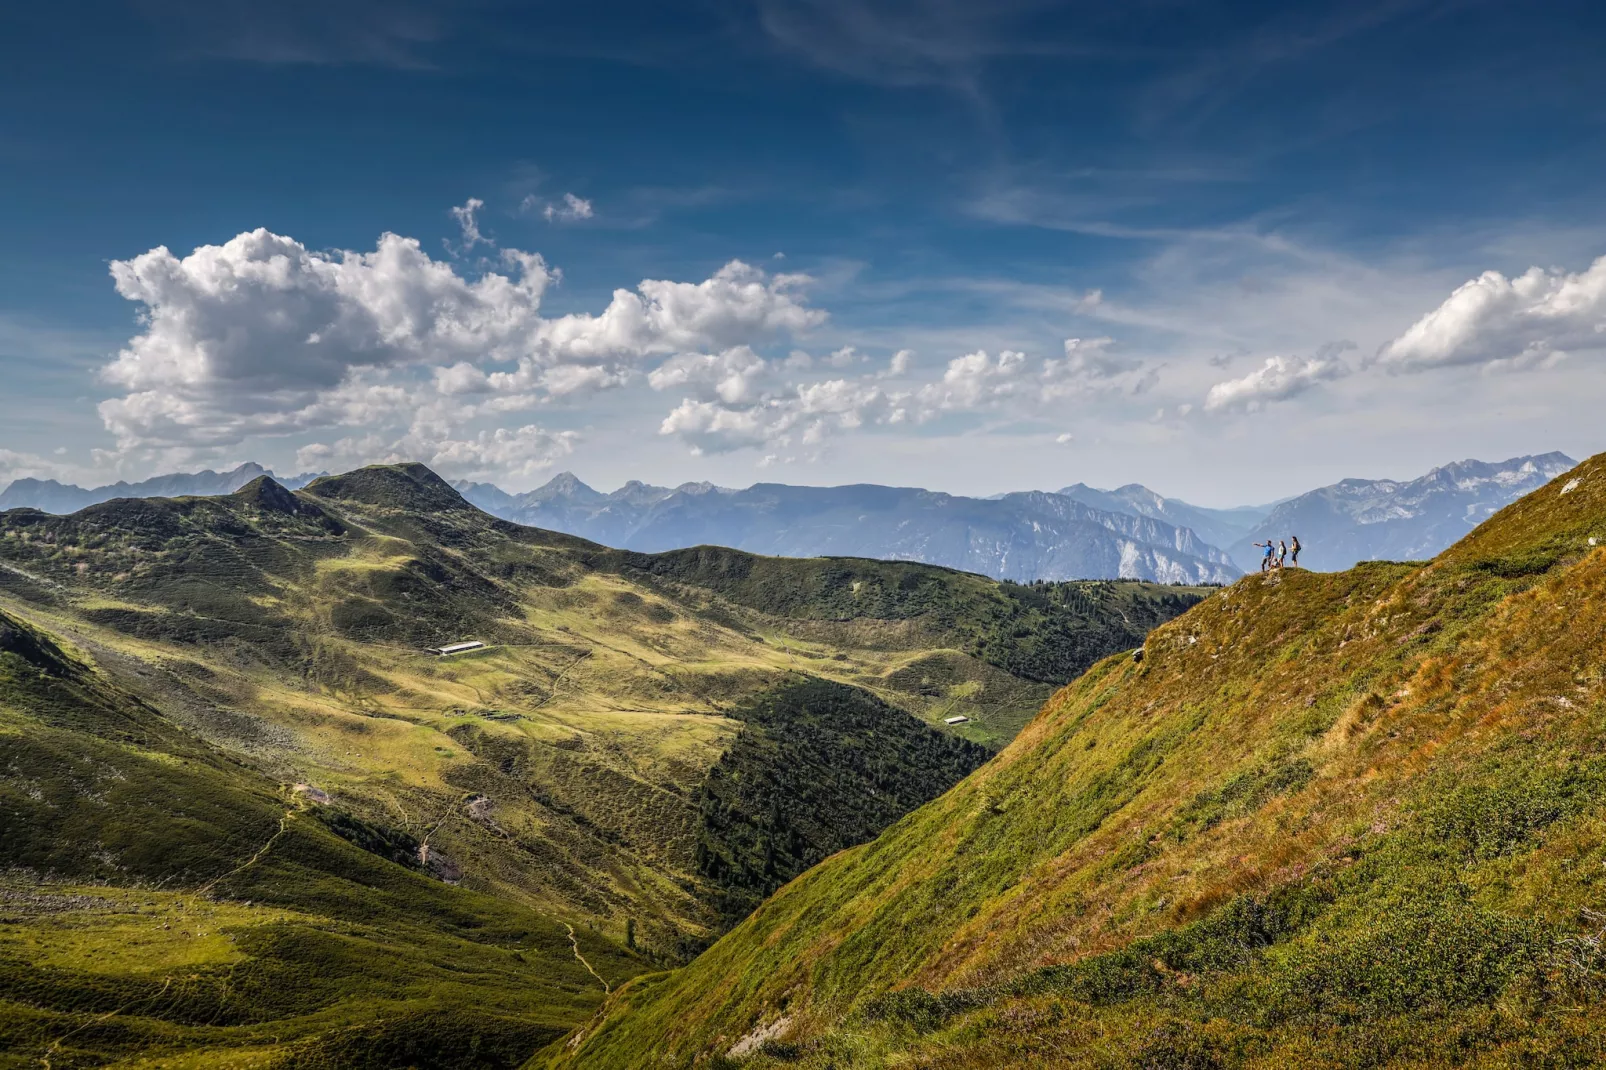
x: 1228, y: 250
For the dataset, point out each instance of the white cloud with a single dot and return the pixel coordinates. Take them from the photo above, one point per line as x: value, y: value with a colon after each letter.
x: 16, y: 465
x: 465, y: 216
x: 1533, y: 319
x: 975, y: 381
x: 739, y: 305
x: 261, y: 334
x: 572, y: 210
x: 733, y: 376
x: 801, y: 415
x: 1279, y: 378
x: 708, y: 427
x: 506, y: 453
x: 901, y: 360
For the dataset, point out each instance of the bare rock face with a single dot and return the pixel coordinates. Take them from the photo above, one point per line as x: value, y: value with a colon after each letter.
x: 438, y: 865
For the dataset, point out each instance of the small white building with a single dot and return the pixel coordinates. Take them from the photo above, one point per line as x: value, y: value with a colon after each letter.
x: 455, y: 648
x: 955, y: 720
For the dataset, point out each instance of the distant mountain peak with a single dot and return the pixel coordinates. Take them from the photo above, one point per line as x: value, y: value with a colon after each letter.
x: 704, y: 487
x: 563, y: 485
x: 636, y: 492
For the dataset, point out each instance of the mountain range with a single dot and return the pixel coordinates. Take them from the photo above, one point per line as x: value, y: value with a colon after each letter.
x: 1022, y: 536
x: 53, y: 497
x: 1076, y: 532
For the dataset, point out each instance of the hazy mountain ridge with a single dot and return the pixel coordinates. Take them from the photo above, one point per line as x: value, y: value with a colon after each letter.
x: 1023, y: 536
x: 1398, y: 520
x: 62, y: 498
x: 1219, y: 527
x: 1325, y: 820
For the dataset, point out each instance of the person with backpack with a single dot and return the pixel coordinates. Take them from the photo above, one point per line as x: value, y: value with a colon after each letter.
x: 1282, y: 552
x: 1295, y: 549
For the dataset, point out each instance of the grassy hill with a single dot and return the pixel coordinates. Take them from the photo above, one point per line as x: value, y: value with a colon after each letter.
x: 164, y: 904
x: 592, y: 766
x: 1326, y: 820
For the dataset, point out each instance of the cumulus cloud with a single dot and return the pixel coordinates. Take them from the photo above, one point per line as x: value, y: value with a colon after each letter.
x: 901, y: 360
x: 802, y: 415
x: 739, y: 305
x: 1276, y: 380
x: 976, y: 380
x: 733, y: 376
x: 261, y: 335
x: 572, y: 210
x: 1532, y: 320
x: 516, y: 453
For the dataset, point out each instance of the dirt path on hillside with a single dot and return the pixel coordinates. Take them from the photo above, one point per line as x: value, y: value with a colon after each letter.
x: 574, y: 942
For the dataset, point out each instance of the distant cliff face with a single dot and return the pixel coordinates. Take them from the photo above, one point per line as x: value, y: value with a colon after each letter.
x: 1381, y: 519
x: 1026, y: 536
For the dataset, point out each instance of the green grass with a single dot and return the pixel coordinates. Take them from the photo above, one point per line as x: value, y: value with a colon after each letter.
x: 285, y: 630
x: 1353, y: 819
x: 161, y: 897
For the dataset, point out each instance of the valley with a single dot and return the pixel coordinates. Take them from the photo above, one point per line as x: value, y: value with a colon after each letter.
x: 1325, y: 820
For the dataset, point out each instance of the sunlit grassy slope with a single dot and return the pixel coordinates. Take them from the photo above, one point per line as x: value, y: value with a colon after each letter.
x: 165, y: 905
x: 1327, y: 820
x: 562, y: 767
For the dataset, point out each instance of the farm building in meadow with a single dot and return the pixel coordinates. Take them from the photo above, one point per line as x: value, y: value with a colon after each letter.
x: 455, y: 648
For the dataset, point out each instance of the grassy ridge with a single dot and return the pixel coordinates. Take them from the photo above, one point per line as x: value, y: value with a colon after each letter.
x: 1327, y: 820
x: 162, y: 899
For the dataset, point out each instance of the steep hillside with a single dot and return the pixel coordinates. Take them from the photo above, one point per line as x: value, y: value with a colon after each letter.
x: 161, y: 899
x: 1326, y: 820
x: 563, y: 764
x: 1398, y: 520
x: 1018, y: 537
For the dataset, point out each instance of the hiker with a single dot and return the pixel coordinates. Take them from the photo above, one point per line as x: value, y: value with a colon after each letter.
x: 1265, y: 560
x: 1295, y: 548
x: 1282, y: 552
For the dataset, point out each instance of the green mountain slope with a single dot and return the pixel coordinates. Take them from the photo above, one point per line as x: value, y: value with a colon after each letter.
x: 166, y: 905
x: 563, y: 766
x: 1327, y: 820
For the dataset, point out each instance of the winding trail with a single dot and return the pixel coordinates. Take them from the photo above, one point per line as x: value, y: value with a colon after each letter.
x: 574, y: 942
x: 284, y: 825
x: 553, y: 691
x: 44, y: 1060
